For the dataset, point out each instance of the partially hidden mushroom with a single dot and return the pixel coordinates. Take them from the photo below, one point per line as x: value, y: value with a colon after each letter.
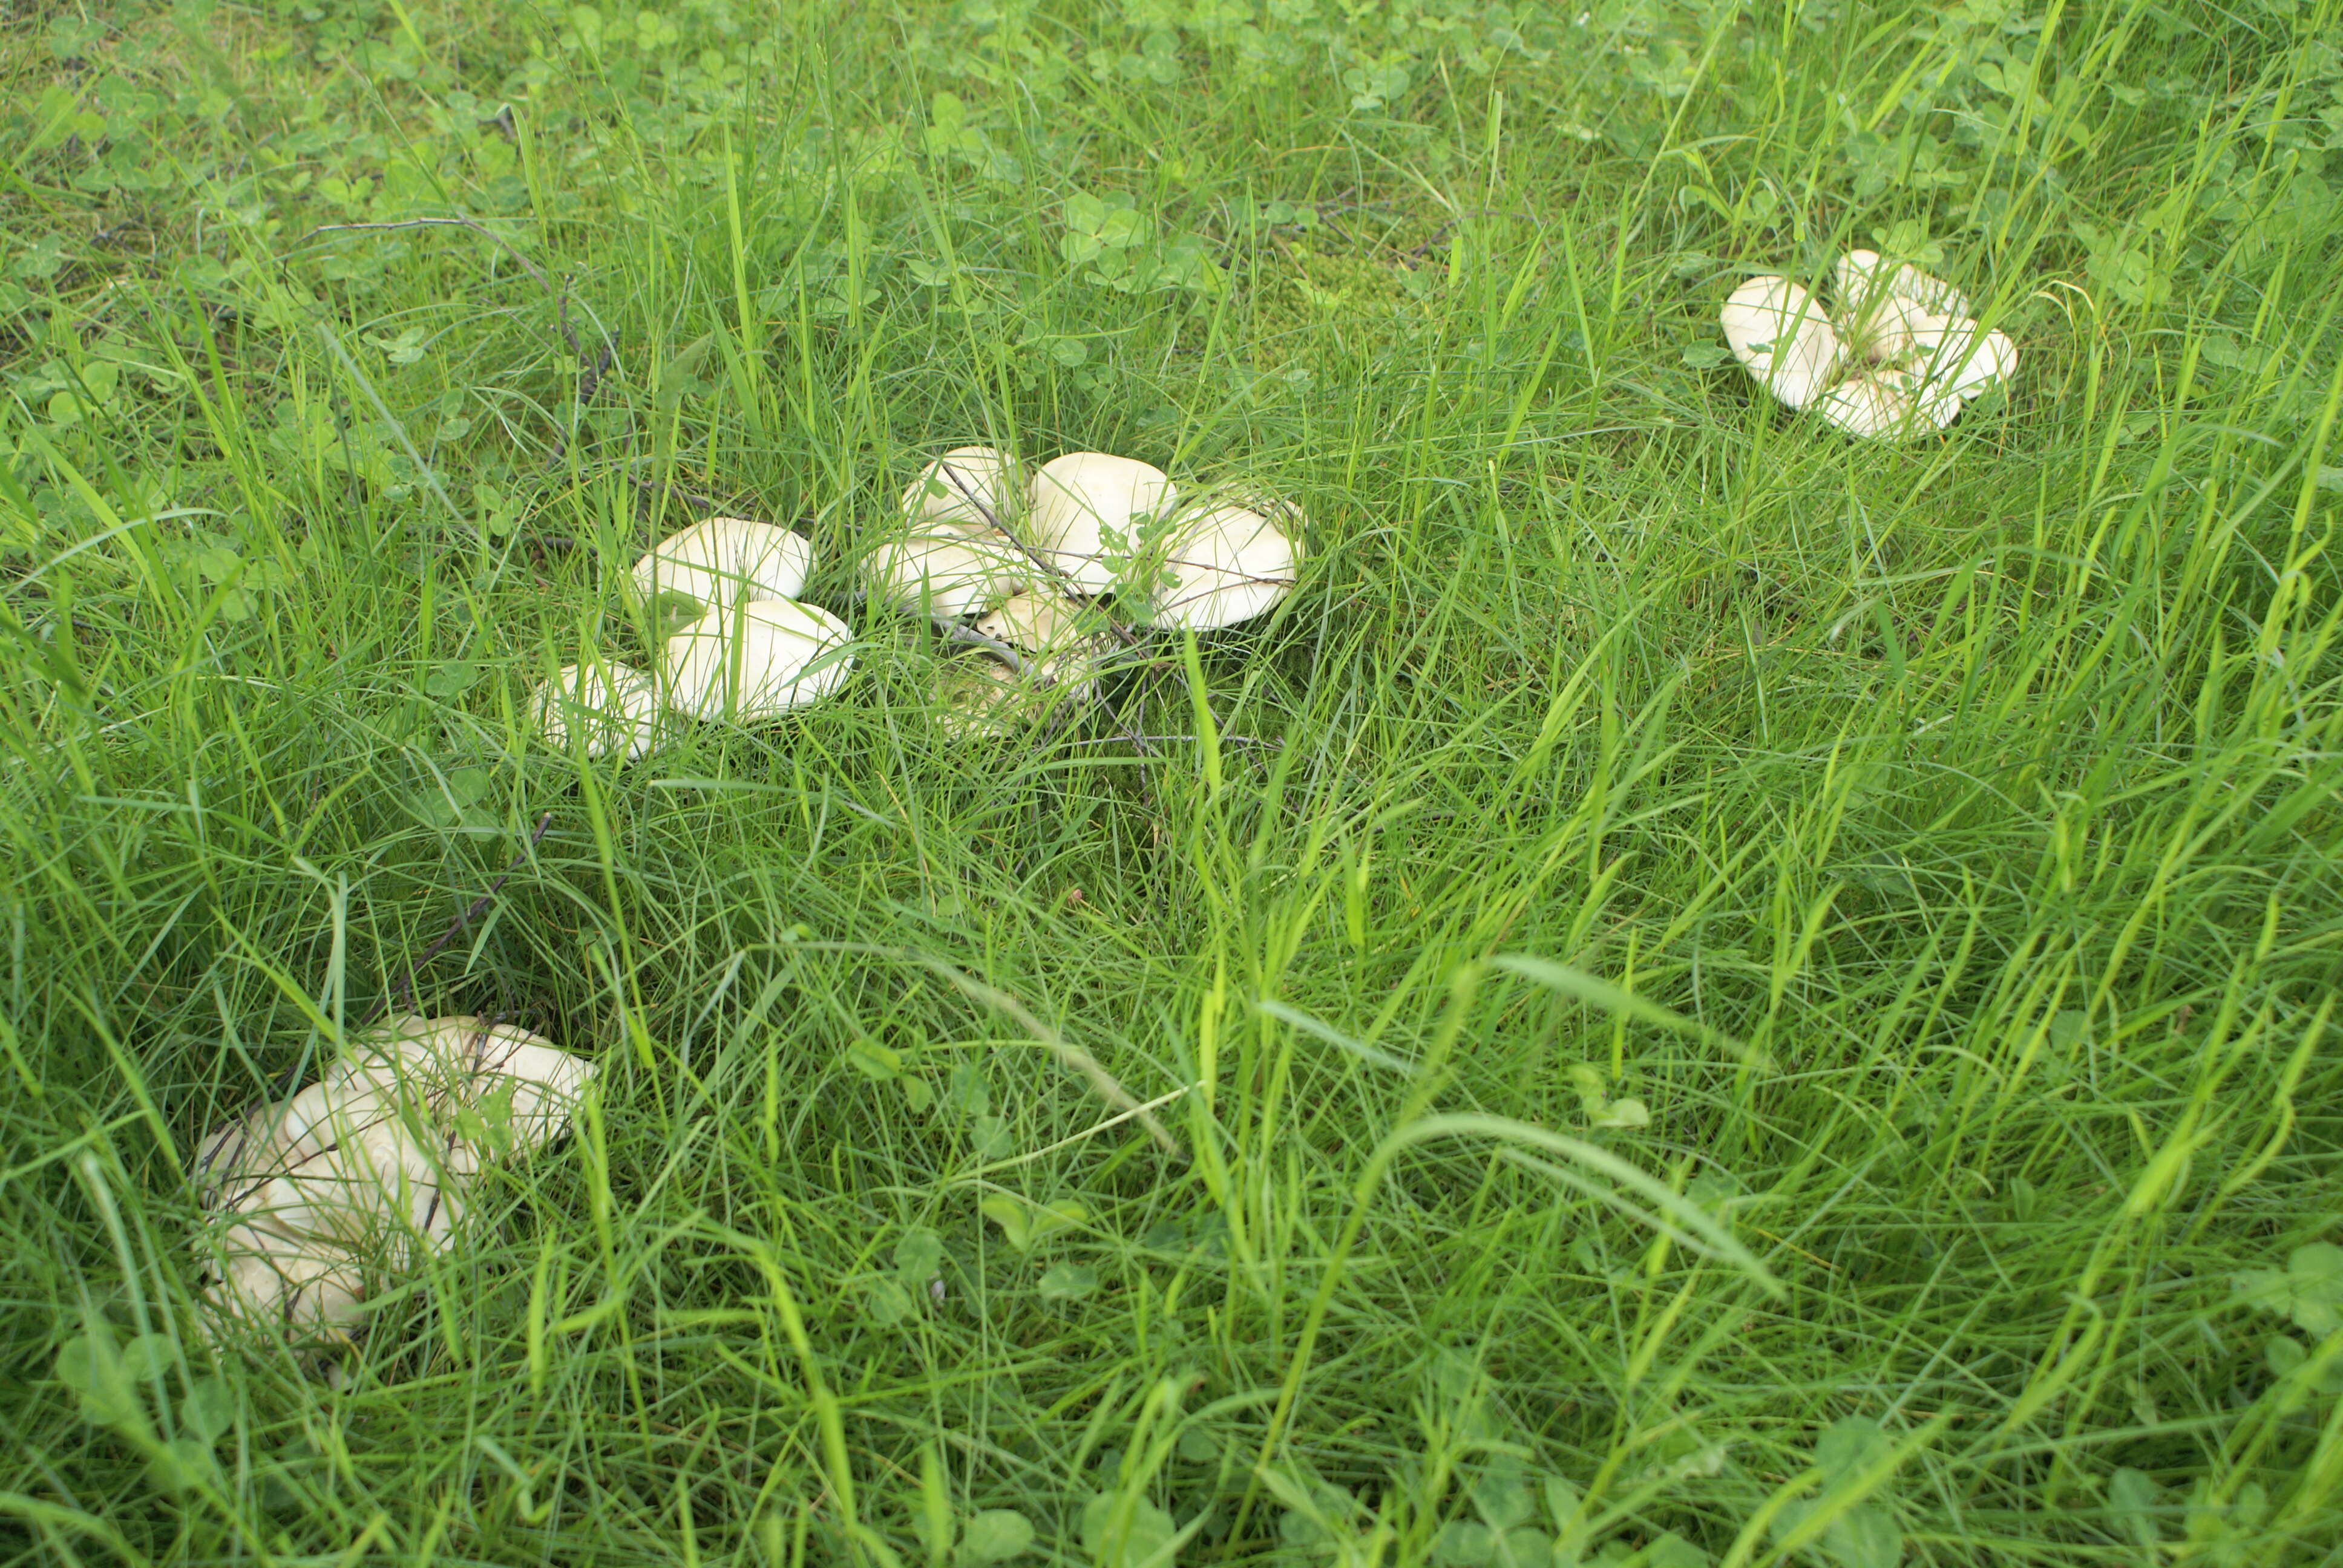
x: 1896, y: 355
x: 606, y: 708
x: 722, y: 562
x: 370, y: 1167
x: 1086, y: 508
x: 1225, y: 563
x: 1061, y: 645
x: 755, y: 660
x: 969, y: 487
x: 947, y: 576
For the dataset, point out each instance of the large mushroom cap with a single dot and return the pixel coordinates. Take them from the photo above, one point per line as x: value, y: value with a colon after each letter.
x: 947, y: 576
x: 1080, y: 496
x: 722, y: 562
x: 611, y: 708
x: 1782, y: 337
x: 969, y: 487
x: 756, y: 661
x: 1226, y: 563
x: 1962, y: 360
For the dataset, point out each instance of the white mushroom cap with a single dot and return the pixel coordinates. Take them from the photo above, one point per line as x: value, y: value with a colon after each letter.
x: 950, y: 490
x: 1062, y: 643
x: 613, y: 707
x: 755, y: 660
x: 1077, y: 496
x: 721, y: 561
x: 1886, y: 405
x: 947, y: 576
x: 1226, y: 564
x: 1861, y: 275
x: 1782, y: 337
x: 1962, y: 360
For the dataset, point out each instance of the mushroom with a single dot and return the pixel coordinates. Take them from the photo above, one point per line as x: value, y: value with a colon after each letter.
x: 722, y: 562
x: 1225, y: 563
x: 982, y: 698
x: 611, y: 707
x: 1082, y: 498
x: 1062, y: 643
x: 372, y: 1161
x: 755, y: 660
x: 1862, y: 276
x: 947, y: 576
x: 1781, y: 337
x: 968, y: 488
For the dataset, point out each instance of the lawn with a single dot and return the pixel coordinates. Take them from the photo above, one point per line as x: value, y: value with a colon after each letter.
x: 1719, y: 993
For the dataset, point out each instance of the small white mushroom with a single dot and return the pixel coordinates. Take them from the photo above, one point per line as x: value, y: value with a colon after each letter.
x: 1079, y: 498
x: 1062, y: 643
x: 959, y: 489
x: 982, y: 699
x: 1862, y: 276
x: 1225, y: 563
x: 1782, y: 339
x: 611, y: 707
x: 755, y: 660
x: 1961, y: 360
x: 722, y: 562
x: 947, y: 576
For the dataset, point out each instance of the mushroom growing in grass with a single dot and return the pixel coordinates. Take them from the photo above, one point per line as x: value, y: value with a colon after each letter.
x: 756, y: 661
x: 1080, y: 499
x: 1897, y: 353
x: 1225, y: 563
x: 968, y: 488
x: 721, y: 561
x: 371, y: 1166
x: 949, y: 577
x: 609, y: 706
x: 1059, y: 643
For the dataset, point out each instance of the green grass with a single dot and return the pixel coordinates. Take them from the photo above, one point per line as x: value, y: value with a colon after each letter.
x: 1948, y: 831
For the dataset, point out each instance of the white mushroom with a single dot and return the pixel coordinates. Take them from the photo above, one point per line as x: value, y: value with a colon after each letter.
x: 1782, y: 337
x: 1959, y: 360
x: 755, y: 660
x: 1062, y: 643
x: 611, y: 707
x: 1080, y: 498
x: 1225, y: 563
x: 370, y: 1164
x: 1863, y: 275
x: 982, y: 698
x: 722, y: 562
x: 947, y: 576
x: 959, y: 489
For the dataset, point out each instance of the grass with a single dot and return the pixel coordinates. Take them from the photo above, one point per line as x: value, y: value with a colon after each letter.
x: 1937, y: 840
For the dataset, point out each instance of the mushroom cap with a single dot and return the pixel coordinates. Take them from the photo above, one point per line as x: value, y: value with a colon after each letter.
x: 1862, y: 277
x: 1962, y: 359
x: 947, y: 576
x: 1227, y: 563
x: 1886, y: 405
x: 721, y: 561
x: 1782, y: 339
x: 1064, y: 643
x: 959, y: 487
x: 612, y: 707
x: 1079, y: 496
x: 755, y: 660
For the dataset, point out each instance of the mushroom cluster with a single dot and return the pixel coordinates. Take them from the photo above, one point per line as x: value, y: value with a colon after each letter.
x: 750, y: 652
x: 370, y: 1166
x: 1050, y: 578
x: 1896, y: 354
